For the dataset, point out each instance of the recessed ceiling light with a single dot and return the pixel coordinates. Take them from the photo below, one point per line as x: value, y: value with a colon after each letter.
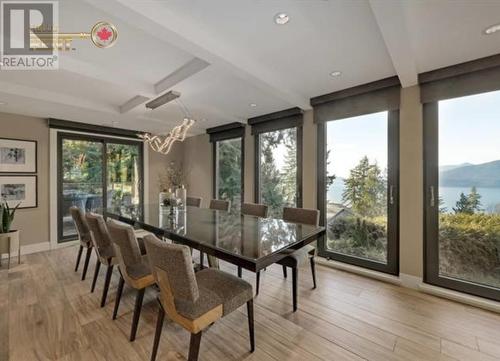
x: 492, y: 29
x: 336, y: 73
x: 281, y: 18
x: 253, y: 105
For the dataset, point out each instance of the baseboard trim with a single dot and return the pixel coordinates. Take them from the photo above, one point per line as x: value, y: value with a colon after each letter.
x: 359, y: 270
x: 416, y: 283
x: 29, y: 249
x: 475, y: 301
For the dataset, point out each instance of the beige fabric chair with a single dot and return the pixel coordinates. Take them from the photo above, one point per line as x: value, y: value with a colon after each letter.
x: 134, y: 268
x: 220, y: 205
x: 104, y: 251
x: 296, y: 258
x: 194, y: 301
x: 82, y: 229
x: 257, y: 210
x: 254, y: 209
x: 193, y: 201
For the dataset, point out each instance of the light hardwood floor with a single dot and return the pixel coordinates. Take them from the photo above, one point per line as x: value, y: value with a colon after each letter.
x: 47, y: 313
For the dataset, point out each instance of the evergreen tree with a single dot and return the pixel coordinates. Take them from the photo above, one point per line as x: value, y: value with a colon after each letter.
x: 329, y: 178
x: 229, y: 169
x: 365, y: 189
x: 289, y: 174
x: 270, y: 178
x: 468, y: 204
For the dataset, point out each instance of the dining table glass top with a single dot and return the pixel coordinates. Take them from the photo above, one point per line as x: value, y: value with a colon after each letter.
x: 246, y: 236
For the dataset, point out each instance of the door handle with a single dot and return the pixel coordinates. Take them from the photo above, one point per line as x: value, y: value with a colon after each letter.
x: 391, y: 194
x: 433, y: 198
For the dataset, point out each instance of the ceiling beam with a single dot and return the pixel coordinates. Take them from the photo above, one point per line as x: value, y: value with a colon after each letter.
x: 187, y: 70
x: 132, y: 103
x: 390, y: 18
x: 156, y: 19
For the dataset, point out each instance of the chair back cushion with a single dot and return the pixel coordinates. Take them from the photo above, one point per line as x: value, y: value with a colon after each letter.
x: 99, y: 231
x: 176, y: 261
x: 253, y: 209
x: 301, y: 215
x: 193, y: 201
x: 220, y: 205
x: 81, y: 224
x: 123, y: 238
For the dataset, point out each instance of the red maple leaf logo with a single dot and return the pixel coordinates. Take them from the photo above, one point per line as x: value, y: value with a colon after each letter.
x: 104, y: 34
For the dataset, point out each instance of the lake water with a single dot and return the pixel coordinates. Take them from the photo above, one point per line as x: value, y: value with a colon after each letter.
x: 490, y: 197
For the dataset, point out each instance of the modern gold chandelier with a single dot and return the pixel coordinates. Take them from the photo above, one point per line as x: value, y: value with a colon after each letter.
x: 163, y: 143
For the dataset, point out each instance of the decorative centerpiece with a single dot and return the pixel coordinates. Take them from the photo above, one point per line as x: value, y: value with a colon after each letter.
x: 172, y: 203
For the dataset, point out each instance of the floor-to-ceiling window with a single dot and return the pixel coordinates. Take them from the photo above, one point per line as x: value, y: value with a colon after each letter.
x: 96, y: 172
x: 358, y: 180
x: 228, y: 155
x: 278, y: 164
x: 462, y: 154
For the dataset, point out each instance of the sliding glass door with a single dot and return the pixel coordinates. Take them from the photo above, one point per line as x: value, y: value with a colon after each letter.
x: 462, y: 156
x: 228, y: 162
x: 278, y: 170
x: 96, y: 172
x: 359, y: 196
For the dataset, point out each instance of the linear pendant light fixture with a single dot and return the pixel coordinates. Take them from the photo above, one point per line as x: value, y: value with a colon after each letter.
x: 163, y: 99
x: 163, y: 143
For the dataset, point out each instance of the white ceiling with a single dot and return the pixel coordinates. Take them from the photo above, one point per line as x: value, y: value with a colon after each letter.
x: 250, y: 58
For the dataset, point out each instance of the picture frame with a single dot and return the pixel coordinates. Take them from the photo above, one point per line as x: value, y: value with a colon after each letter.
x: 17, y: 189
x: 18, y: 155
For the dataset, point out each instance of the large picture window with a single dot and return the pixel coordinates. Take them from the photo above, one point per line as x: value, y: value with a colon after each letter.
x: 228, y: 156
x: 463, y: 193
x: 358, y: 157
x: 278, y: 160
x: 94, y: 173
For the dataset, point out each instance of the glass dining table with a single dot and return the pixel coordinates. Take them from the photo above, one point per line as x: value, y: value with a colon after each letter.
x: 249, y: 242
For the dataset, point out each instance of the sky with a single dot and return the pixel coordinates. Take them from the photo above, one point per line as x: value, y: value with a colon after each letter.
x: 469, y: 129
x: 350, y: 139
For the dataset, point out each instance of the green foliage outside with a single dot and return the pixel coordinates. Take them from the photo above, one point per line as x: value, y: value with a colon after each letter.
x: 278, y: 187
x: 229, y: 171
x: 360, y: 228
x: 469, y: 247
x: 470, y: 203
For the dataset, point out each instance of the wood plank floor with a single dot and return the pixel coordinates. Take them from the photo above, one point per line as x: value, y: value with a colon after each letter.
x: 47, y: 313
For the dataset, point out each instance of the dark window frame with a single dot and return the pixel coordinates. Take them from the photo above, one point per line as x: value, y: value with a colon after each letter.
x: 227, y: 132
x: 470, y: 78
x: 378, y: 96
x: 286, y: 119
x: 61, y: 136
x: 392, y: 265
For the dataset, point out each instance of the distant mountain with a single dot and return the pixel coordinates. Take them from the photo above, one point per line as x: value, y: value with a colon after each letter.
x: 444, y: 168
x: 469, y: 175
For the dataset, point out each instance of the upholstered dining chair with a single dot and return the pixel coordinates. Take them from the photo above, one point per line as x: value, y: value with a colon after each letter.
x: 257, y: 210
x: 193, y: 201
x: 220, y: 205
x: 194, y: 301
x: 296, y: 258
x: 134, y: 268
x: 83, y: 231
x: 104, y: 251
x: 216, y: 205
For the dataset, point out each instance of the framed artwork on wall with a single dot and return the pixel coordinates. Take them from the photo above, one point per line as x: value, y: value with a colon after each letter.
x: 18, y: 156
x: 17, y: 189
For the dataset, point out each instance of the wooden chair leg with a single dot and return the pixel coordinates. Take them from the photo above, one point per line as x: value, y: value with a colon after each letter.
x: 96, y: 274
x: 194, y: 346
x: 294, y: 288
x: 284, y: 272
x: 86, y: 264
x: 313, y: 271
x: 250, y: 325
x: 109, y: 273
x: 79, y: 257
x: 159, y: 326
x: 240, y: 272
x: 257, y: 283
x: 118, y: 298
x: 137, y: 313
x: 202, y: 260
